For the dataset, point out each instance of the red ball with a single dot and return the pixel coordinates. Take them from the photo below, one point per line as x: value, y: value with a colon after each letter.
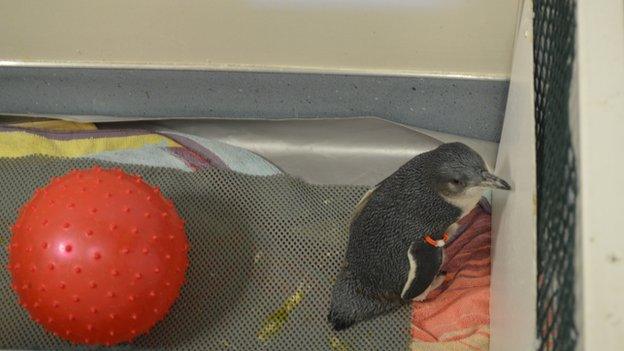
x: 98, y: 256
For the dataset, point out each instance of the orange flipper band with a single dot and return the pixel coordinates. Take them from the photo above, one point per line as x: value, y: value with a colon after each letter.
x: 436, y: 243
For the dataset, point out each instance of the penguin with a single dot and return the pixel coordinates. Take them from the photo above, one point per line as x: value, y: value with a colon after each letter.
x: 399, y: 228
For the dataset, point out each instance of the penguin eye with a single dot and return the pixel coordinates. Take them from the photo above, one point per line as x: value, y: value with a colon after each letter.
x: 458, y: 182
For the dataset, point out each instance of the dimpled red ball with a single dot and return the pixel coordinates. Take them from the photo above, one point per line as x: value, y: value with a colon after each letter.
x: 98, y: 256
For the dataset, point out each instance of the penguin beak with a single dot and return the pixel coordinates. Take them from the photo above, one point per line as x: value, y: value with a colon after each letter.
x: 492, y: 181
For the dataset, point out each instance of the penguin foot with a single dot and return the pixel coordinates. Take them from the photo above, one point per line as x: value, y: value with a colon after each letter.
x: 438, y: 280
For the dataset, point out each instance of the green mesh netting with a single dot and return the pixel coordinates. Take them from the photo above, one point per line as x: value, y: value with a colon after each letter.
x: 553, y: 50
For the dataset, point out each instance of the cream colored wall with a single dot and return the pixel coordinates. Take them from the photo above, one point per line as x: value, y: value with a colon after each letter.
x: 414, y: 37
x: 598, y: 125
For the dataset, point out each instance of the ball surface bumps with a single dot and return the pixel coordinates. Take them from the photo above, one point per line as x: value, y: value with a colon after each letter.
x: 98, y: 256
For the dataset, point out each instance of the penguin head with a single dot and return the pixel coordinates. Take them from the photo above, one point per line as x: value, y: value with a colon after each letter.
x: 458, y: 170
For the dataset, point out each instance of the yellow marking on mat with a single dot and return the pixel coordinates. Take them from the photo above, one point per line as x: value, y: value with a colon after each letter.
x: 338, y: 345
x: 56, y: 125
x: 18, y: 144
x: 274, y: 323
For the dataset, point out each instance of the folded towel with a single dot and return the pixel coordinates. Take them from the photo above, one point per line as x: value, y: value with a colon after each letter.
x: 456, y: 315
x: 128, y: 146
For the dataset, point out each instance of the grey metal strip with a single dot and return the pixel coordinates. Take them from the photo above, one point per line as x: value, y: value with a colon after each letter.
x: 466, y: 107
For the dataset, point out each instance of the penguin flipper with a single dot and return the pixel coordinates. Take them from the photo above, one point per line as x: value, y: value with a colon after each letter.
x: 362, y: 203
x: 351, y: 305
x: 424, y: 265
x: 437, y: 281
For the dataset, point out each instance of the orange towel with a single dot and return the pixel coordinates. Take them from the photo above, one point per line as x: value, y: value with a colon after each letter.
x: 456, y: 316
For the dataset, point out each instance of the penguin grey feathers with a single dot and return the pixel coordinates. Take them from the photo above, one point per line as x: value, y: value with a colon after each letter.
x: 399, y: 228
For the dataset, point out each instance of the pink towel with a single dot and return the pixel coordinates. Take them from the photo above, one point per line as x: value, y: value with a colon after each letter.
x: 456, y: 316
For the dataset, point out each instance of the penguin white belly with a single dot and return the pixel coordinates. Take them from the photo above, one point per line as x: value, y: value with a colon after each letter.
x: 466, y: 203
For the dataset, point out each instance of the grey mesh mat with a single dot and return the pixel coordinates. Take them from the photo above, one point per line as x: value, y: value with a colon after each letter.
x: 264, y: 253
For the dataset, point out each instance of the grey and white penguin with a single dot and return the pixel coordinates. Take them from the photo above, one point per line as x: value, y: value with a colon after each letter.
x: 399, y: 228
